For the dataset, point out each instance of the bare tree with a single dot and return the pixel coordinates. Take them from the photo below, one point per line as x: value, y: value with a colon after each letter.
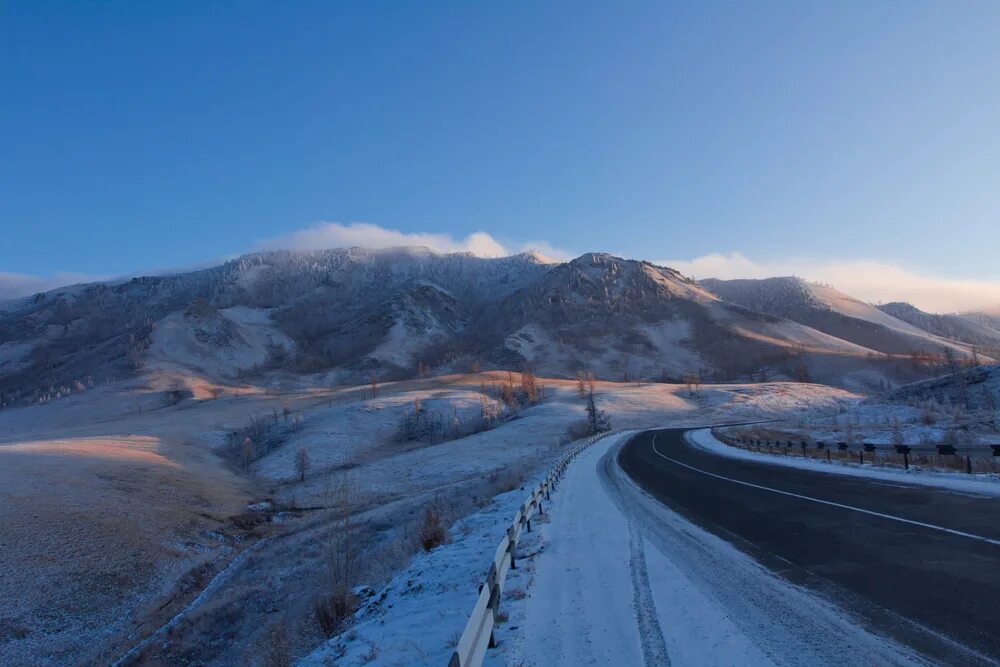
x: 954, y: 367
x: 528, y: 385
x: 598, y: 420
x: 897, y: 432
x: 302, y: 463
x: 247, y: 453
x: 334, y: 607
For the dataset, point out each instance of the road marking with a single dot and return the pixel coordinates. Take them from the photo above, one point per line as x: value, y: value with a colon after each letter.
x: 827, y: 502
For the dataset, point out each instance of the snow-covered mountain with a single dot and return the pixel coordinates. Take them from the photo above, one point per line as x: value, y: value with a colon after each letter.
x: 347, y: 312
x: 973, y: 328
x: 824, y: 308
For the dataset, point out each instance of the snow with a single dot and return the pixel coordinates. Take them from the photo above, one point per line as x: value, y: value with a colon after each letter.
x: 620, y: 579
x: 234, y: 339
x: 983, y: 484
x: 142, y: 492
x: 847, y: 305
x: 418, y: 616
x: 608, y: 576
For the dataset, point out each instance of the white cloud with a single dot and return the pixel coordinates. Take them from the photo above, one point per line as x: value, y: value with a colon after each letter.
x: 367, y: 235
x: 868, y: 280
x: 13, y: 285
x: 363, y: 234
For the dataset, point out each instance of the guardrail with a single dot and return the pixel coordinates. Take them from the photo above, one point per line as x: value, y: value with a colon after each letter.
x: 760, y: 444
x: 478, y: 634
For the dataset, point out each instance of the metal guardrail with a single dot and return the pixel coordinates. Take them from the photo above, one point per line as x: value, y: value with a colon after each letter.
x: 478, y: 634
x: 861, y: 448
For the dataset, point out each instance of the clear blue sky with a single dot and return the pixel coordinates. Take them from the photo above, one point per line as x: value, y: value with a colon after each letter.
x: 136, y: 135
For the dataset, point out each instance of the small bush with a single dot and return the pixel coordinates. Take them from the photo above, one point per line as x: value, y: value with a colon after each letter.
x: 332, y: 611
x: 277, y: 647
x: 515, y: 594
x: 578, y: 430
x: 433, y: 533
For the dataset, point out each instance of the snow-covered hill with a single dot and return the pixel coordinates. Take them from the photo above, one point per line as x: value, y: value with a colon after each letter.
x: 826, y: 309
x: 348, y: 312
x: 966, y: 328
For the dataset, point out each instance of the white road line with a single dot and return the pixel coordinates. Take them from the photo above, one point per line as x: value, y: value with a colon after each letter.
x: 828, y: 502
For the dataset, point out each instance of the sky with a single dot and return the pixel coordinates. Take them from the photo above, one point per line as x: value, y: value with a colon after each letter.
x: 856, y: 143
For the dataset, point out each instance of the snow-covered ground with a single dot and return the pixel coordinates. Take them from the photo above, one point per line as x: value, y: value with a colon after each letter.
x: 623, y: 580
x: 417, y: 618
x: 608, y: 576
x: 119, y: 500
x: 981, y: 483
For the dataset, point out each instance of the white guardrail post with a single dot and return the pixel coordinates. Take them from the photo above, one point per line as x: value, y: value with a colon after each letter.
x: 478, y: 634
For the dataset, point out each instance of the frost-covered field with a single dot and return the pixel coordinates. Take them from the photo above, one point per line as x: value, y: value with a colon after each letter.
x: 118, y: 506
x: 418, y: 616
x: 961, y: 408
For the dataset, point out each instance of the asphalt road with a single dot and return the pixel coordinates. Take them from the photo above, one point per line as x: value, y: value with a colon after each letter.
x: 919, y: 564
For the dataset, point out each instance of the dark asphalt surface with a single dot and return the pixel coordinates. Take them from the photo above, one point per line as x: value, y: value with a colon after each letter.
x: 935, y: 591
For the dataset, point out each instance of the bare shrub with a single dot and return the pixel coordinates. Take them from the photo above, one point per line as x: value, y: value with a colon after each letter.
x: 302, y: 463
x: 275, y: 648
x: 578, y: 429
x: 333, y: 608
x: 515, y: 594
x: 433, y: 533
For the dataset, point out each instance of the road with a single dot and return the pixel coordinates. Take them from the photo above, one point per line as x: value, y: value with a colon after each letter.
x: 918, y: 565
x: 620, y: 578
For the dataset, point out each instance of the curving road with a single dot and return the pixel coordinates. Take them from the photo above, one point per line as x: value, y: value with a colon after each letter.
x: 920, y: 565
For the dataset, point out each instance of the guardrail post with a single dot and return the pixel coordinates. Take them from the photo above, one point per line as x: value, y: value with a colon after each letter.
x: 512, y: 547
x: 968, y: 464
x: 861, y: 456
x: 494, y: 603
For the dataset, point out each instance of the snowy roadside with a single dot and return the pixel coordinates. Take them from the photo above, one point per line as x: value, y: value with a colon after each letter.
x: 982, y: 483
x: 618, y: 578
x: 417, y: 618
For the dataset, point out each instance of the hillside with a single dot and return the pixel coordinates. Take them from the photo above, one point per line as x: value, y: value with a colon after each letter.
x: 835, y: 313
x: 965, y: 328
x: 337, y: 316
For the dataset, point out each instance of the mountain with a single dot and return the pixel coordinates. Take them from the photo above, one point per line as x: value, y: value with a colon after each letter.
x: 835, y: 313
x: 972, y: 328
x: 301, y: 311
x: 348, y: 312
x: 987, y: 318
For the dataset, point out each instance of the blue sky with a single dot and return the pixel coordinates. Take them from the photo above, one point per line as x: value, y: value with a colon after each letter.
x: 138, y: 136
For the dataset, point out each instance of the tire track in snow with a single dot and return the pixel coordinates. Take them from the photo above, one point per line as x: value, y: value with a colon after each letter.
x: 787, y: 624
x: 654, y: 648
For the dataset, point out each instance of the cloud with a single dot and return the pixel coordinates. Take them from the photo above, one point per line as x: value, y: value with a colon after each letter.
x: 363, y: 234
x: 13, y: 285
x: 869, y: 280
x: 367, y: 235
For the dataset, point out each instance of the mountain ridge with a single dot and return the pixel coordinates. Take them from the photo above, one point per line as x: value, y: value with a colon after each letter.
x: 345, y: 313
